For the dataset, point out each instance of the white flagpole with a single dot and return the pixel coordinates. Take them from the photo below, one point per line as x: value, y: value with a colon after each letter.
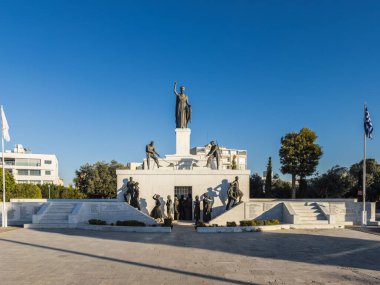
x: 364, y: 213
x: 4, y: 215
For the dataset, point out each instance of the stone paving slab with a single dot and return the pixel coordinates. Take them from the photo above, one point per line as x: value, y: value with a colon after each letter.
x: 71, y: 256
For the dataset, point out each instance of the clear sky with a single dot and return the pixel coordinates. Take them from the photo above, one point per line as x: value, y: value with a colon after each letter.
x: 92, y: 80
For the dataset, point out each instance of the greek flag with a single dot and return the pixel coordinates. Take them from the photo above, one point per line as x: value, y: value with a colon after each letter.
x: 368, y: 128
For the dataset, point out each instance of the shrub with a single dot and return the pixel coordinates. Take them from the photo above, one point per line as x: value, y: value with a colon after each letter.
x: 130, y: 223
x: 200, y: 224
x: 231, y: 224
x: 168, y: 223
x: 96, y: 222
x: 246, y: 223
x: 250, y: 223
x: 25, y: 191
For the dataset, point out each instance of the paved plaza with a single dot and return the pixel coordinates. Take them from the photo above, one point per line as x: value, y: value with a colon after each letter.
x: 187, y: 257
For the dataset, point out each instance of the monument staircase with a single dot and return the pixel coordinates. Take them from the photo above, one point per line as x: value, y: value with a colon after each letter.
x: 57, y: 213
x: 309, y: 213
x: 76, y: 213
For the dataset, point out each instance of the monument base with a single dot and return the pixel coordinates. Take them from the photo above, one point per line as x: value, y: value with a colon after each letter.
x: 182, y: 142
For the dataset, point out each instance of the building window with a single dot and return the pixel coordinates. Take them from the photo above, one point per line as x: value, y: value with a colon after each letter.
x: 48, y: 181
x: 35, y: 173
x: 22, y: 181
x: 182, y: 190
x: 47, y: 172
x: 22, y: 172
x: 47, y: 161
x: 35, y: 182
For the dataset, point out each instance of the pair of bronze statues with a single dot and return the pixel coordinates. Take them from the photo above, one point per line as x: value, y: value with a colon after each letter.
x: 132, y: 194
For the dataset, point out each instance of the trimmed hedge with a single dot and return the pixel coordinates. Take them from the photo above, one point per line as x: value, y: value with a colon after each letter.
x: 168, y: 223
x: 97, y: 222
x: 250, y: 223
x: 130, y: 223
x: 231, y: 224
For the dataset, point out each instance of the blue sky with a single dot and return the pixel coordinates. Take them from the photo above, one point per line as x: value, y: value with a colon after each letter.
x: 92, y: 80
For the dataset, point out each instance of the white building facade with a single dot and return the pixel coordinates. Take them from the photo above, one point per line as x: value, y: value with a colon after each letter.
x: 28, y: 167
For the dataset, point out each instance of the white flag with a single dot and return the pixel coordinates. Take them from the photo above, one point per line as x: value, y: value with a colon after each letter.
x: 4, y: 126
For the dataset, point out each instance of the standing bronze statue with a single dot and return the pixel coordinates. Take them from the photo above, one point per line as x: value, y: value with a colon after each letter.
x: 197, y: 209
x: 231, y: 197
x: 169, y: 208
x: 151, y: 153
x: 238, y: 194
x: 182, y: 108
x: 213, y: 153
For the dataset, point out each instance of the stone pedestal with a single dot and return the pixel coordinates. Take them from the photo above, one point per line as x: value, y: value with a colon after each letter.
x: 182, y: 141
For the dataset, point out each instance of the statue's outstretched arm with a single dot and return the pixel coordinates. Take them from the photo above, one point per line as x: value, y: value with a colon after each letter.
x: 175, y: 87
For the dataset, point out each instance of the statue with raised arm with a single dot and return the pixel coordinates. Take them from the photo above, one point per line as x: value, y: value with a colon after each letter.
x: 182, y: 108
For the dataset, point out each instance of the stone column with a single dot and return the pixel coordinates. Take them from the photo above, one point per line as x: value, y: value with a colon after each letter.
x: 182, y: 141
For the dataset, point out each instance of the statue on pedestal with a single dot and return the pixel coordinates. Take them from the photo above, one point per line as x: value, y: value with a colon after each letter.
x: 151, y: 153
x: 182, y: 108
x: 213, y: 153
x: 237, y: 193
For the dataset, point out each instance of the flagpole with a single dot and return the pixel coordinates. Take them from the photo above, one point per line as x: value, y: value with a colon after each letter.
x: 364, y: 213
x: 4, y: 215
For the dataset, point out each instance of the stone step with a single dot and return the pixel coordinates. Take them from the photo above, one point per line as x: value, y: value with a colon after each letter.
x: 59, y: 211
x: 315, y: 222
x: 316, y: 226
x: 53, y: 222
x: 55, y: 216
x: 48, y: 226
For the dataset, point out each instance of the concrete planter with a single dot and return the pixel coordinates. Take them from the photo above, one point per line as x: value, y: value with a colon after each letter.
x: 242, y: 229
x: 124, y: 229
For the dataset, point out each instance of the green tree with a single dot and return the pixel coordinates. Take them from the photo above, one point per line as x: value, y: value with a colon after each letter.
x: 60, y: 192
x: 299, y: 155
x: 9, y: 184
x: 372, y: 179
x: 337, y: 182
x: 280, y: 189
x: 98, y: 180
x: 25, y: 191
x: 256, y: 186
x: 268, y: 178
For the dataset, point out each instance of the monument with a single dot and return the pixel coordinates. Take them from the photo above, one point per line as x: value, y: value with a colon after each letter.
x: 204, y: 171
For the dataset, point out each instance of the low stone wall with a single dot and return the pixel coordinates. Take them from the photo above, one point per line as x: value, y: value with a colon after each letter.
x: 336, y: 211
x: 27, y: 211
x: 20, y: 213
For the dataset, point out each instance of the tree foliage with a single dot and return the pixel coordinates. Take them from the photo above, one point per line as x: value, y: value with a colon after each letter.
x: 60, y: 192
x: 9, y: 184
x: 98, y: 180
x: 24, y: 191
x: 335, y: 183
x: 299, y: 155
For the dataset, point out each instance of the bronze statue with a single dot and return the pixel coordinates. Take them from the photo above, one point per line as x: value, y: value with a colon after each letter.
x: 231, y: 197
x: 169, y: 207
x: 136, y: 196
x: 207, y: 208
x: 151, y: 153
x: 236, y: 190
x: 156, y: 212
x: 214, y: 152
x: 176, y: 208
x: 197, y: 209
x: 129, y: 192
x: 182, y: 108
